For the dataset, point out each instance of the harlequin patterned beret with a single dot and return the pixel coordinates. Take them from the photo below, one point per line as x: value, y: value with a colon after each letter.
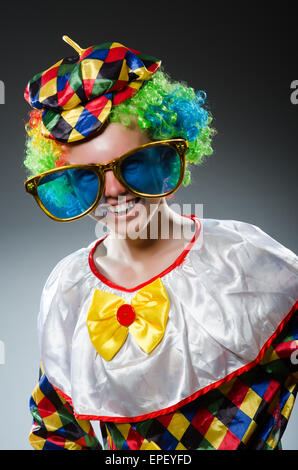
x: 77, y: 93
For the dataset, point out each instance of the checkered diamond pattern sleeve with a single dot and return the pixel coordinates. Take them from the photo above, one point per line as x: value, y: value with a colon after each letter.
x: 54, y: 424
x: 76, y: 94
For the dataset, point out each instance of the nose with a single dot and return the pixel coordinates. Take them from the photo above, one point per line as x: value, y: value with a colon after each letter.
x: 113, y: 188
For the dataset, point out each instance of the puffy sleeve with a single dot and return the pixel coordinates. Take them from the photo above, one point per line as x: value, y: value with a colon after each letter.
x: 240, y: 258
x: 54, y: 424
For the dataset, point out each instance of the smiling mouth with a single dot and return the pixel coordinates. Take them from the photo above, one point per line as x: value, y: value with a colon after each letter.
x: 123, y: 208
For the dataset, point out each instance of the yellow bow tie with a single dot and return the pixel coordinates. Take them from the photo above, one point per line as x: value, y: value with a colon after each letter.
x: 110, y: 319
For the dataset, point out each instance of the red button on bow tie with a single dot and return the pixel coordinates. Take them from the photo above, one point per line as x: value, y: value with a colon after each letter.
x: 126, y: 315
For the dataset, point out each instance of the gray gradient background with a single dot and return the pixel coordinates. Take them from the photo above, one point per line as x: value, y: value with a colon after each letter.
x: 242, y: 53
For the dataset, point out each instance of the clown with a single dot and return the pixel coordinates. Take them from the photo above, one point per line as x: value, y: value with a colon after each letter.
x: 169, y: 342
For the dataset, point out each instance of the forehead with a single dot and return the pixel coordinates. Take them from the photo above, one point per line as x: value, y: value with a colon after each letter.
x: 112, y: 143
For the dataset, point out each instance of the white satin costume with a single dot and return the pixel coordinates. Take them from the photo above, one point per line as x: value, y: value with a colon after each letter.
x: 231, y: 293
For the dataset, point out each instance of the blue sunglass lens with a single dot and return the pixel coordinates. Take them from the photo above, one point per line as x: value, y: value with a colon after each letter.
x: 68, y: 193
x: 153, y: 170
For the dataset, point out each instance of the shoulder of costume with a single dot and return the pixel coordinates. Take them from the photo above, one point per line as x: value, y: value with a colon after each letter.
x: 236, y: 230
x: 76, y: 258
x: 246, y: 273
x: 241, y: 247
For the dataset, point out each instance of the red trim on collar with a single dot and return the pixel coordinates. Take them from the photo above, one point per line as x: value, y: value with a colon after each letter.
x: 176, y: 263
x: 202, y: 391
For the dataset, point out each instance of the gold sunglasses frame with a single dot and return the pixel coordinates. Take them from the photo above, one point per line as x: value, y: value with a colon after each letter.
x: 180, y: 145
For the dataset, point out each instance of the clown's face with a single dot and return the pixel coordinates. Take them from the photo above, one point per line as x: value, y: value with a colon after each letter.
x: 121, y: 211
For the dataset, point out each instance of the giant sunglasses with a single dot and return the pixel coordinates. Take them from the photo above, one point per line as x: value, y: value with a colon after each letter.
x: 150, y: 171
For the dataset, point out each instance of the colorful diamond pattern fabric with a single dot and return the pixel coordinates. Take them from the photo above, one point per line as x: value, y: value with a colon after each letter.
x: 250, y: 411
x: 77, y: 93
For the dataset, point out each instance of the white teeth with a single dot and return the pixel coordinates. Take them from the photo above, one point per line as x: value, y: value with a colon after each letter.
x: 121, y: 209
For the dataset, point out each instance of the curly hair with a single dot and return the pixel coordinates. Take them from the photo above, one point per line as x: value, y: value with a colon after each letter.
x: 163, y: 108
